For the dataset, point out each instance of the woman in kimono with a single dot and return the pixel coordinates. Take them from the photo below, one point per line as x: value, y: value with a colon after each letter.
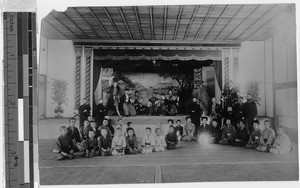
x: 267, y: 137
x: 114, y: 98
x: 282, y: 144
x: 189, y: 129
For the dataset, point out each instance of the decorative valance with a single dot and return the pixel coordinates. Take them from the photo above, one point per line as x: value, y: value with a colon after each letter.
x: 183, y: 55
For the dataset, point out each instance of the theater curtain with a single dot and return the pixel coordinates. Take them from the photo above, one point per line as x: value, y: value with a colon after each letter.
x: 218, y: 71
x: 96, y: 76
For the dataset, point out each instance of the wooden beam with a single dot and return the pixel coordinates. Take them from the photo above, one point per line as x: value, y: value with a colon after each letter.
x: 191, y: 21
x: 100, y: 24
x: 45, y: 21
x: 136, y: 13
x: 255, y: 22
x: 177, y: 22
x: 287, y: 11
x: 151, y: 22
x: 112, y: 22
x: 63, y: 25
x: 242, y: 21
x: 165, y: 22
x: 199, y: 29
x: 125, y: 22
x: 86, y: 23
x: 75, y: 24
x: 228, y: 23
x: 211, y: 28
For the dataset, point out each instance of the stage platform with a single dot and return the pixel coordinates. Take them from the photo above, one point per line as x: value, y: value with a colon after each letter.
x: 191, y: 162
x: 49, y: 128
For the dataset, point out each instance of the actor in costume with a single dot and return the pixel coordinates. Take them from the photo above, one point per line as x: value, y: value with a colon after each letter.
x: 128, y: 108
x: 114, y: 99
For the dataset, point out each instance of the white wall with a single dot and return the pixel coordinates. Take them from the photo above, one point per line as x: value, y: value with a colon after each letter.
x: 61, y: 65
x: 251, y: 68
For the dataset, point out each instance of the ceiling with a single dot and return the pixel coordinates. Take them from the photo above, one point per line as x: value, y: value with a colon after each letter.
x: 180, y: 23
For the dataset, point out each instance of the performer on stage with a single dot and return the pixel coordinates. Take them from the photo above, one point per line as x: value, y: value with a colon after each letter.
x: 137, y: 103
x: 84, y: 112
x: 153, y: 105
x: 114, y: 99
x: 99, y: 112
x: 173, y: 103
x: 202, y: 97
x: 125, y: 101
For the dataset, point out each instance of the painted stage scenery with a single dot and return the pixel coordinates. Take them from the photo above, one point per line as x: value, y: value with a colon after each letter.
x: 168, y: 94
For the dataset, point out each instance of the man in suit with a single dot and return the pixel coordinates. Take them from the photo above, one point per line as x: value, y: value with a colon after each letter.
x: 84, y: 112
x: 250, y: 111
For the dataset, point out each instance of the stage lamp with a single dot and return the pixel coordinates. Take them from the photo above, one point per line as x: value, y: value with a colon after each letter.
x: 204, y: 139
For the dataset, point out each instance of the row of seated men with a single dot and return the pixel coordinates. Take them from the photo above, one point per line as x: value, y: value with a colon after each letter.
x: 104, y: 140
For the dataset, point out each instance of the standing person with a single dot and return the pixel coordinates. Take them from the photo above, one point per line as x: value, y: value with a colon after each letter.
x: 215, y: 109
x: 238, y: 109
x: 189, y: 130
x: 250, y: 112
x: 99, y: 112
x: 282, y: 144
x: 195, y: 114
x: 267, y: 137
x: 84, y: 111
x: 114, y: 99
x: 171, y: 138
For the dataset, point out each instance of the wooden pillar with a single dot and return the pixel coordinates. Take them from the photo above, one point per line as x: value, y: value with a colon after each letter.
x: 78, y: 58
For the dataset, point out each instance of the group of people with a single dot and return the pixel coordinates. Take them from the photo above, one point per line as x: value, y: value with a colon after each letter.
x: 104, y: 140
x: 131, y: 104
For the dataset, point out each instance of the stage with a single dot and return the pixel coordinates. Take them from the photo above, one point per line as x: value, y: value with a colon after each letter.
x: 191, y: 162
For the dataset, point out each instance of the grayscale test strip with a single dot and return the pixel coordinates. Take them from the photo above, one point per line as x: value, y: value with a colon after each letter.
x: 20, y: 92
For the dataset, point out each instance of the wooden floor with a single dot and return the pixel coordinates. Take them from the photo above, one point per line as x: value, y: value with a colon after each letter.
x: 191, y: 162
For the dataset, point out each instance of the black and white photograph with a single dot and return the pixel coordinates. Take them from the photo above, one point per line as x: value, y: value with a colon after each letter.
x: 183, y: 93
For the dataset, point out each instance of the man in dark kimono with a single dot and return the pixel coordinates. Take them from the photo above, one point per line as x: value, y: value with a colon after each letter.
x: 99, y: 113
x: 238, y: 109
x: 250, y: 112
x: 73, y: 132
x: 242, y: 135
x: 195, y: 115
x: 84, y: 112
x: 230, y: 115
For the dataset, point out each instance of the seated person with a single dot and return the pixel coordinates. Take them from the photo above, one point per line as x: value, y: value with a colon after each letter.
x: 104, y: 143
x: 105, y: 126
x: 242, y: 134
x: 267, y: 137
x: 123, y: 128
x: 91, y: 144
x: 160, y: 143
x: 129, y: 123
x: 282, y: 144
x: 178, y: 129
x: 170, y: 122
x: 73, y: 132
x: 84, y: 131
x: 163, y: 105
x: 126, y: 103
x: 189, y: 129
x: 204, y: 128
x: 153, y: 105
x: 94, y: 128
x: 173, y: 102
x: 112, y: 130
x: 228, y: 133
x: 255, y: 136
x: 131, y: 142
x: 215, y: 131
x: 65, y: 146
x: 148, y: 142
x: 118, y: 143
x: 137, y: 103
x: 171, y: 138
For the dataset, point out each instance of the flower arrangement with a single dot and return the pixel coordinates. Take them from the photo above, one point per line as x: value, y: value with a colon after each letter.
x: 59, y: 95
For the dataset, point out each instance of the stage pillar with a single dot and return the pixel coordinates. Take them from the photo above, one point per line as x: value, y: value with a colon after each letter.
x: 78, y: 62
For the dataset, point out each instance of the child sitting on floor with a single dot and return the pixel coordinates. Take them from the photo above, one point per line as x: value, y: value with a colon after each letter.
x: 255, y: 136
x: 267, y: 137
x: 65, y: 145
x: 84, y: 131
x: 91, y: 144
x: 215, y: 131
x: 160, y: 143
x: 282, y: 144
x: 148, y: 142
x: 178, y: 129
x: 95, y: 129
x: 118, y: 143
x: 104, y: 142
x: 171, y: 138
x: 131, y: 142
